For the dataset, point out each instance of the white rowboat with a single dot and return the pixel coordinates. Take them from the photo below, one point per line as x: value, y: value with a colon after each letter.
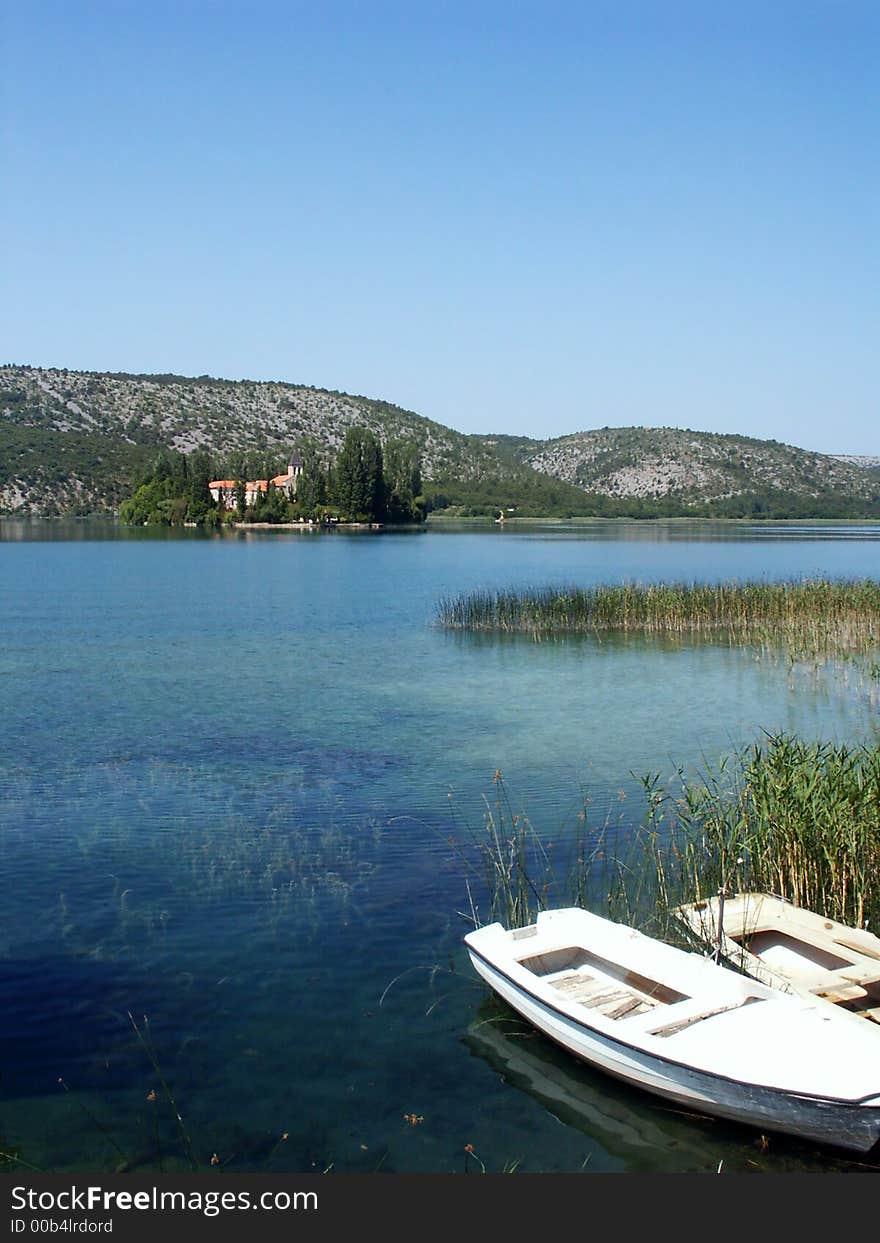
x: 678, y: 1025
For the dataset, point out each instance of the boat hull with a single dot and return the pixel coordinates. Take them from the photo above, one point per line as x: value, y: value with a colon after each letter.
x: 843, y: 1124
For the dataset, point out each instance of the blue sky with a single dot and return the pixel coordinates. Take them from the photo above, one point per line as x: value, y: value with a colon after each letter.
x: 510, y: 217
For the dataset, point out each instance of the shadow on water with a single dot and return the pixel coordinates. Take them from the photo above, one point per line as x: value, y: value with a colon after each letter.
x: 606, y: 642
x: 89, y: 530
x: 631, y: 1127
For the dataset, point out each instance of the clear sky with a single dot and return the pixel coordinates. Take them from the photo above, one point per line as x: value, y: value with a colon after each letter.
x: 532, y: 218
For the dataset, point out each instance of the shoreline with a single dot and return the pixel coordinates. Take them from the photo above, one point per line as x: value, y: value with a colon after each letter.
x: 304, y: 526
x: 444, y: 519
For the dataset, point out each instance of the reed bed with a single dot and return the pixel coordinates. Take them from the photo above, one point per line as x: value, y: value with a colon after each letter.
x: 820, y: 617
x: 795, y: 818
x: 786, y: 816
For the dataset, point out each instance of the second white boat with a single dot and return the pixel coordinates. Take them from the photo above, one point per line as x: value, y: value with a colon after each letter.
x: 790, y: 948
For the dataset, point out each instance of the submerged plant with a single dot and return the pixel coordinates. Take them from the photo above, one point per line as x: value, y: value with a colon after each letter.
x: 515, y: 871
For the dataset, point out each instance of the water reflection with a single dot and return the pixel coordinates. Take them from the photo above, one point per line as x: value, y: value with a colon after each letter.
x: 662, y: 530
x: 621, y: 530
x: 633, y: 1128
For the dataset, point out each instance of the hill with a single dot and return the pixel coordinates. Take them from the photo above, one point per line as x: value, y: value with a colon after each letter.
x: 76, y: 442
x: 681, y: 471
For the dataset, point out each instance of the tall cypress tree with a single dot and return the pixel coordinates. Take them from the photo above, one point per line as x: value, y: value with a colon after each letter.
x: 403, y: 480
x: 359, y: 485
x: 311, y: 487
x: 198, y: 494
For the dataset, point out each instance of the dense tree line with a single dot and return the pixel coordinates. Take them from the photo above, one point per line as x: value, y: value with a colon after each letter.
x: 486, y: 498
x: 364, y: 484
x: 88, y: 472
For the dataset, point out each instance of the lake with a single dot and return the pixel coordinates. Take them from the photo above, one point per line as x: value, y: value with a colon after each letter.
x: 236, y: 774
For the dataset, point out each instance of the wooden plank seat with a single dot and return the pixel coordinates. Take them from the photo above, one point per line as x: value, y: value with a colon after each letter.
x: 629, y: 1005
x: 840, y: 992
x: 688, y: 1020
x: 607, y: 997
x: 869, y: 973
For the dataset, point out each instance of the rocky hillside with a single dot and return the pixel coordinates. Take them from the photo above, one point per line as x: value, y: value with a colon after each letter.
x: 76, y: 442
x: 685, y: 469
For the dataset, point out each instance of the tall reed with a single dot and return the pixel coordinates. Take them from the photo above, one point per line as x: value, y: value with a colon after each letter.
x: 814, y: 617
x: 512, y: 872
x: 795, y: 818
x: 786, y: 816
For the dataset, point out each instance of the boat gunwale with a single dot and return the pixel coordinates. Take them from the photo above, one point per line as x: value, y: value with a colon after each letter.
x: 787, y: 1093
x: 739, y: 906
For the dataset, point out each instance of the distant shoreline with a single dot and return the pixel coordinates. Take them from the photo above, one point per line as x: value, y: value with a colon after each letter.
x: 438, y: 520
x: 649, y: 520
x: 304, y: 526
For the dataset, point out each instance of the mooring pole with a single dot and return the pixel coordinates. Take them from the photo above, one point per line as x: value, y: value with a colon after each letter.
x: 722, y: 893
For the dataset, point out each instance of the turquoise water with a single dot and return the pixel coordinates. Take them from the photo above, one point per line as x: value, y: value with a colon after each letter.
x: 231, y: 770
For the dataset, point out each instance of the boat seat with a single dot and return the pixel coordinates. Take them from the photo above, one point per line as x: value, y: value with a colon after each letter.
x: 698, y: 1015
x: 629, y: 1005
x: 605, y: 996
x: 840, y: 992
x: 856, y: 974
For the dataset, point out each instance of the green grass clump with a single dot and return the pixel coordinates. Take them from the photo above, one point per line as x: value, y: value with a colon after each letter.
x: 816, y: 617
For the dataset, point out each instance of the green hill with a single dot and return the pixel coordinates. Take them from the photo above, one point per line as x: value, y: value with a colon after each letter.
x: 674, y: 471
x: 76, y: 442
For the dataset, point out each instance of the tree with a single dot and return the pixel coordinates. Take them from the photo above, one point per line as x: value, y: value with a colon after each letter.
x: 163, y: 467
x: 359, y: 483
x: 198, y: 495
x: 151, y: 505
x: 403, y: 479
x: 179, y: 474
x: 277, y: 504
x: 311, y: 487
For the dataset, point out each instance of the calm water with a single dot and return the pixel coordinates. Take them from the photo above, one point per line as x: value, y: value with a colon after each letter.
x: 230, y: 775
